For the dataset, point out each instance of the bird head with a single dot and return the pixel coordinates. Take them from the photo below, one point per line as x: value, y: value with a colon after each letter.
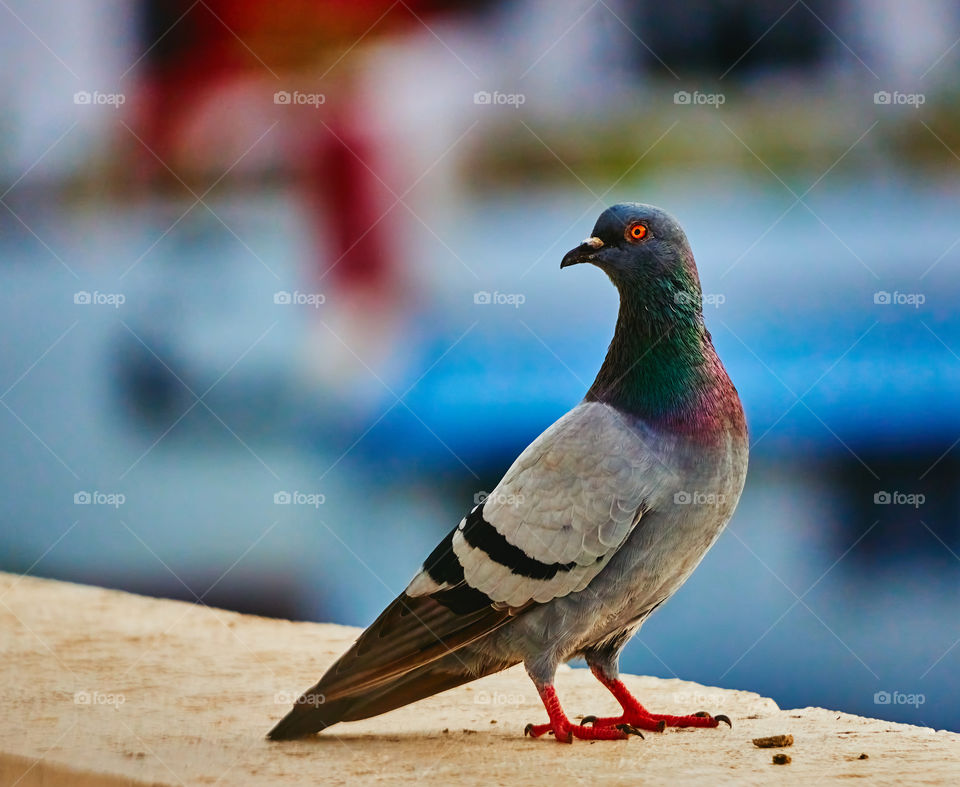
x: 644, y: 251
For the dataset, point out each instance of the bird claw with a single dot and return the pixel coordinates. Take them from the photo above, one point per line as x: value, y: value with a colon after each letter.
x: 588, y: 720
x: 702, y: 714
x: 629, y: 729
x: 537, y: 730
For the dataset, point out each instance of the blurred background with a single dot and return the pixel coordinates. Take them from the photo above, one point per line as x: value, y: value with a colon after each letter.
x: 280, y: 291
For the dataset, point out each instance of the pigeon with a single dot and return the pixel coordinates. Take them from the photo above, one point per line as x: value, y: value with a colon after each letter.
x: 595, y: 525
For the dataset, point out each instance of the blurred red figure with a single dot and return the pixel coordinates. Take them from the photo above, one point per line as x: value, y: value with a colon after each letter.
x: 202, y: 52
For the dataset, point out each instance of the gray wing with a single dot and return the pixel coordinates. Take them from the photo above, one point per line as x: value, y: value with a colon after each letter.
x: 560, y: 513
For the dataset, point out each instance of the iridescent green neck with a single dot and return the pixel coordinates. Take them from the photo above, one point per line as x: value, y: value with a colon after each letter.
x: 661, y: 363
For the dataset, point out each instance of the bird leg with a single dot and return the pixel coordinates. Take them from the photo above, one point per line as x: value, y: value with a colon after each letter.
x: 564, y: 731
x: 635, y: 715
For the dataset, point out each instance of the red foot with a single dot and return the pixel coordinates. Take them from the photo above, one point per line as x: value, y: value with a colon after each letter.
x: 565, y: 732
x: 642, y: 719
x: 635, y: 715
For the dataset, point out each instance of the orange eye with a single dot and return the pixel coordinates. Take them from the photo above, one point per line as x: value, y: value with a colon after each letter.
x: 636, y: 232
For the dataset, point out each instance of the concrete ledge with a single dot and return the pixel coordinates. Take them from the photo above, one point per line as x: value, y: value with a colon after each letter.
x: 107, y: 688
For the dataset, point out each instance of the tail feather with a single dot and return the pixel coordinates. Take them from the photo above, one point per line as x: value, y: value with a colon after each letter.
x: 307, y: 718
x: 406, y: 654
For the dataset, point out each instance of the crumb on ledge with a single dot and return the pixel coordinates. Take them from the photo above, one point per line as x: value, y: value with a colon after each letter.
x: 773, y: 742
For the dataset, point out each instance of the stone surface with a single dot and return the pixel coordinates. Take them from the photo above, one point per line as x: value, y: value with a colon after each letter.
x: 106, y: 688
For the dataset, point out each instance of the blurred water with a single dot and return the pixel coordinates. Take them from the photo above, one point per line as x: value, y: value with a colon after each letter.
x: 104, y: 399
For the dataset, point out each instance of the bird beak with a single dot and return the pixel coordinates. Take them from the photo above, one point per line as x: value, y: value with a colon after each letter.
x: 583, y: 253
